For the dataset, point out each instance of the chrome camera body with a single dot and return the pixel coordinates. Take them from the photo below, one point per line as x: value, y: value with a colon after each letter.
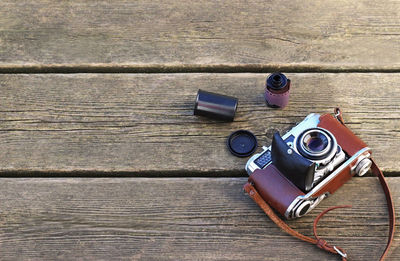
x: 334, y: 154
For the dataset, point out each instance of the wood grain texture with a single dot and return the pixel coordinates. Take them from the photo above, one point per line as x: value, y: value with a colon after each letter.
x: 336, y: 34
x: 179, y: 219
x: 143, y: 124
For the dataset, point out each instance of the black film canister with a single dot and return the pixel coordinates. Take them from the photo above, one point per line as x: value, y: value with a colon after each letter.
x: 215, y: 106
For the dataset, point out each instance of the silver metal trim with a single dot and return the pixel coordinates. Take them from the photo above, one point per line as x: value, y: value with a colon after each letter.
x: 308, y: 196
x: 336, y: 172
x: 291, y: 207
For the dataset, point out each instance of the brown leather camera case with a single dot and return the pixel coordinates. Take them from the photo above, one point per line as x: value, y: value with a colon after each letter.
x: 269, y: 187
x: 280, y: 192
x: 275, y: 188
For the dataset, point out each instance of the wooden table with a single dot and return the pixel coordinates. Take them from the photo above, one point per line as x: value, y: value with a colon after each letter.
x: 102, y: 158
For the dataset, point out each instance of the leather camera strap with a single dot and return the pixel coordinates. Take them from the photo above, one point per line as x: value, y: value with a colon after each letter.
x: 249, y: 188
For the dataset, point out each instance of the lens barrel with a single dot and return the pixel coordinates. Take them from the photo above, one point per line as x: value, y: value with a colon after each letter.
x: 316, y: 144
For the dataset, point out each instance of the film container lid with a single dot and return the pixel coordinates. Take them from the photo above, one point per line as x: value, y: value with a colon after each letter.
x: 277, y: 81
x: 242, y: 143
x: 215, y: 106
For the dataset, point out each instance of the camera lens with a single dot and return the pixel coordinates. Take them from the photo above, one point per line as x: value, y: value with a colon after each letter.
x: 315, y: 142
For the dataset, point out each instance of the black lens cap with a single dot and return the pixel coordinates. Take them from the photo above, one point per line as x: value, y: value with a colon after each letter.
x: 242, y: 143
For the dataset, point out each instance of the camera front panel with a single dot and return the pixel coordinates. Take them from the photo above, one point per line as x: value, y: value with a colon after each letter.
x: 263, y: 159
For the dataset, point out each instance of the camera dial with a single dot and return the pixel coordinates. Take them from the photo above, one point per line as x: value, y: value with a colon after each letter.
x: 363, y: 166
x: 303, y: 209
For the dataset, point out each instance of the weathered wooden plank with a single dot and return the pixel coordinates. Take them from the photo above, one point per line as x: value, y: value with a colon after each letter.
x: 178, y: 219
x: 144, y: 124
x: 100, y: 34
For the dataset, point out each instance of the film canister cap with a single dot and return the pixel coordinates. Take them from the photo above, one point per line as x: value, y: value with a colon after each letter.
x: 242, y: 143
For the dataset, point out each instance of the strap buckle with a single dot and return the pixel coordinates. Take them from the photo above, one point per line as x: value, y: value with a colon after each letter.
x: 337, y: 112
x: 338, y: 115
x: 344, y: 255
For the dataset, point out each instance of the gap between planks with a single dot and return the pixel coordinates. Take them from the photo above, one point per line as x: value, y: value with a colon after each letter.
x: 190, y: 68
x: 142, y: 174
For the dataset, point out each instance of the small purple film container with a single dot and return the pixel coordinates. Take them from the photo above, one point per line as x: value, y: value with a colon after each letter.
x: 277, y: 90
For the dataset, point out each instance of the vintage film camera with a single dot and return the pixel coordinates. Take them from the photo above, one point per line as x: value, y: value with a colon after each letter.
x: 310, y: 162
